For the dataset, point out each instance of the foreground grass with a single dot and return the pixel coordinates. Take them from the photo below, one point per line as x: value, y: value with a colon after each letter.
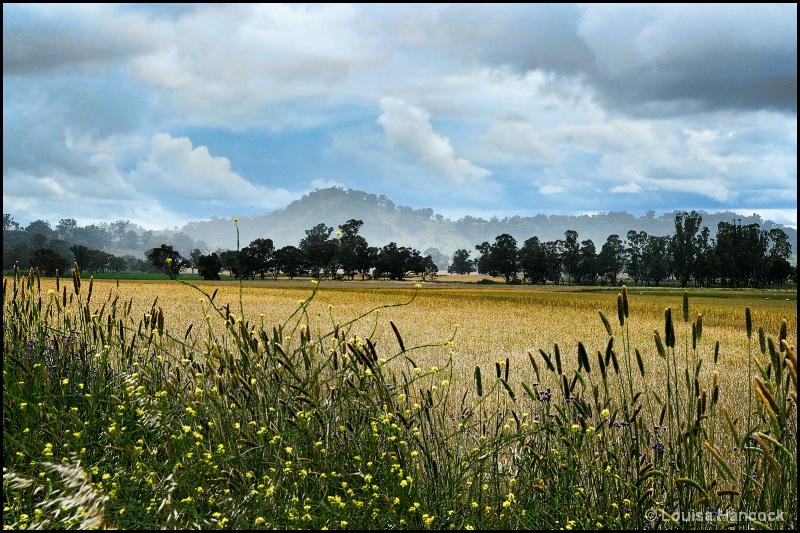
x: 114, y: 417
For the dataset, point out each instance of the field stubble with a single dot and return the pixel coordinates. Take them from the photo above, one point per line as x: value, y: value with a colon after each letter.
x: 491, y: 324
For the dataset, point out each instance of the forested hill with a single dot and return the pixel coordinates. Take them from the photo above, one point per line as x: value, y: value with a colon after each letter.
x: 422, y: 229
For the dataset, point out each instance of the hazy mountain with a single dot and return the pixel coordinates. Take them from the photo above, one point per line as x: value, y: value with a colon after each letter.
x: 385, y: 222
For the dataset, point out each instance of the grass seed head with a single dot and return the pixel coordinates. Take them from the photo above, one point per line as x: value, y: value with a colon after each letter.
x: 606, y: 323
x: 625, y: 300
x: 669, y: 329
x: 748, y: 321
x: 686, y: 306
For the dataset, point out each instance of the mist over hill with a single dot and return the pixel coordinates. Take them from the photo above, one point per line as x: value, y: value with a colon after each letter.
x: 385, y: 222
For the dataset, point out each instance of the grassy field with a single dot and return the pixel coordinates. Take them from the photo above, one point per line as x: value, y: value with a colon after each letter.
x: 386, y: 405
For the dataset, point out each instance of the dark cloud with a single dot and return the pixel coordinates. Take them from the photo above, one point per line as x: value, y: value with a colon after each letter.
x: 37, y: 40
x: 526, y: 37
x: 644, y: 60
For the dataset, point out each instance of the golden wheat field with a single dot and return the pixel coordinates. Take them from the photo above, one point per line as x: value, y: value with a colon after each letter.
x: 488, y: 324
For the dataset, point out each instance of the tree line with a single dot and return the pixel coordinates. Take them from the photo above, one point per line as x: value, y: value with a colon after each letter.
x: 738, y: 256
x: 318, y: 254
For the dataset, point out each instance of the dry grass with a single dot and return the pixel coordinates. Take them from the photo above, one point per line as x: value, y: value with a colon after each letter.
x: 492, y: 323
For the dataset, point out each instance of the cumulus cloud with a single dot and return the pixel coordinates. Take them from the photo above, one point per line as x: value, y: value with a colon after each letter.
x: 409, y: 131
x: 175, y: 168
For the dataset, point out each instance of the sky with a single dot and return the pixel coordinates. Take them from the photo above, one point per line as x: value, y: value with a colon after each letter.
x: 170, y: 113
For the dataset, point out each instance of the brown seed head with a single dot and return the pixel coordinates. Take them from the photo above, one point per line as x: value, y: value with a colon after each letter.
x: 625, y: 300
x: 669, y: 330
x: 699, y: 323
x: 748, y: 321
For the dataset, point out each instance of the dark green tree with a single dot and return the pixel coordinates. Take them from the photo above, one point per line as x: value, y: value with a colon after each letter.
x: 504, y: 257
x: 393, y: 262
x: 683, y: 247
x: 484, y: 263
x: 586, y: 267
x: 41, y: 227
x: 570, y: 249
x: 48, y: 261
x: 209, y: 266
x: 353, y: 249
x: 532, y: 261
x: 779, y: 251
x: 611, y: 259
x: 461, y: 263
x: 707, y: 264
x: 167, y: 260
x: 553, y: 251
x: 117, y: 264
x: 230, y: 260
x: 655, y: 260
x: 290, y: 260
x: 319, y: 250
x: 260, y: 255
x: 635, y: 243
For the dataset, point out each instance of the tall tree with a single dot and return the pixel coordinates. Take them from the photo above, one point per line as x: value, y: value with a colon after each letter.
x: 533, y: 261
x: 504, y: 257
x: 611, y: 259
x: 779, y: 251
x: 683, y: 246
x: 634, y: 252
x: 586, y: 267
x: 353, y: 249
x: 319, y: 249
x: 655, y: 260
x: 484, y: 263
x: 569, y: 254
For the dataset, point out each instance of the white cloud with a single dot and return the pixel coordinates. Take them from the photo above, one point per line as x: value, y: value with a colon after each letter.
x: 630, y: 187
x: 237, y: 66
x: 704, y: 144
x: 174, y: 167
x: 409, y: 131
x: 710, y: 188
x: 551, y: 189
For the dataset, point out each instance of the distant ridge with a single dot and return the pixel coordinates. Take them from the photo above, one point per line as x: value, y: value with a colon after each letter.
x: 384, y: 222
